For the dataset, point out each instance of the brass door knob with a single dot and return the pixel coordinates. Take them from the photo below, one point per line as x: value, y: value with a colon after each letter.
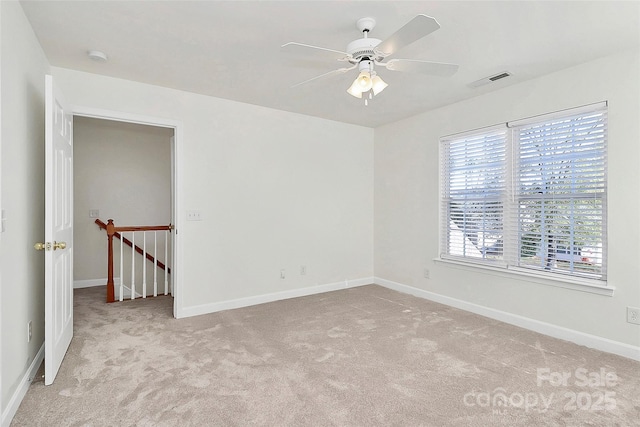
x: 40, y: 246
x: 59, y: 245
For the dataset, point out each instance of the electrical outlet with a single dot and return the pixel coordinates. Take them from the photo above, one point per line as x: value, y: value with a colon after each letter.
x: 29, y: 331
x: 425, y: 273
x: 303, y: 270
x: 633, y: 315
x: 282, y: 275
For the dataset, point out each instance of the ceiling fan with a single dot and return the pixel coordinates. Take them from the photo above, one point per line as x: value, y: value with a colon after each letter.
x: 367, y: 53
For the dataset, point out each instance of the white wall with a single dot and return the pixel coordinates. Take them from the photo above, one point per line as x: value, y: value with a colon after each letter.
x: 124, y: 171
x: 22, y: 177
x: 407, y: 199
x: 277, y: 190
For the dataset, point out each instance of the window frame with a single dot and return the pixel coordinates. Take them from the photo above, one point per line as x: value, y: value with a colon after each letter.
x: 444, y: 229
x: 510, y: 262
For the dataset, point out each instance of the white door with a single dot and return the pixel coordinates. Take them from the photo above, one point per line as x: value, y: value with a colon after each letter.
x: 58, y: 289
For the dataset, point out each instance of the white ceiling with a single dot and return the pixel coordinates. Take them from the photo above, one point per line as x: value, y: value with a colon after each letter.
x: 231, y: 49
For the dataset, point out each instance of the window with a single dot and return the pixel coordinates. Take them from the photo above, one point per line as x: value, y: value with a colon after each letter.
x: 474, y: 186
x: 529, y: 195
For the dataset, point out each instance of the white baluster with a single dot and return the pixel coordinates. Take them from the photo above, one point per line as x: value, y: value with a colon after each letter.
x: 133, y: 265
x: 166, y: 262
x: 155, y: 263
x: 121, y: 267
x: 144, y: 264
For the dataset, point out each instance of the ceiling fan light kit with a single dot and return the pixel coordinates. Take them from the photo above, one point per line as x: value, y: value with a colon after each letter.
x: 353, y: 91
x: 366, y: 53
x: 366, y: 81
x: 378, y: 84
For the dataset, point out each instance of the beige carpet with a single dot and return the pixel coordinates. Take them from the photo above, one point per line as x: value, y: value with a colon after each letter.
x: 367, y: 356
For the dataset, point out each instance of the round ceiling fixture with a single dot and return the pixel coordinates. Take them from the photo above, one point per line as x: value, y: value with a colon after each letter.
x: 97, y: 56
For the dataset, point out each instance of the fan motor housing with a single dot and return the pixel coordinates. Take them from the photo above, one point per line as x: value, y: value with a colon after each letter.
x: 364, y: 49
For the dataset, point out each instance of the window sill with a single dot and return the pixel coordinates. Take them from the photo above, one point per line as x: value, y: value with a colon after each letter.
x: 573, y: 283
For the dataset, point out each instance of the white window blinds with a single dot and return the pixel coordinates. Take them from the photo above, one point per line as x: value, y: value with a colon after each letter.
x: 529, y: 195
x: 560, y: 191
x: 473, y: 188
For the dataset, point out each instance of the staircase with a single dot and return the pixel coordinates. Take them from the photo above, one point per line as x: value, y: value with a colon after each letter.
x: 136, y: 281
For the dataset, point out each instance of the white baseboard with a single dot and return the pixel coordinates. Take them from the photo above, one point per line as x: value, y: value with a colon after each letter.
x: 276, y: 296
x: 21, y: 391
x: 126, y: 291
x: 577, y: 337
x: 89, y: 283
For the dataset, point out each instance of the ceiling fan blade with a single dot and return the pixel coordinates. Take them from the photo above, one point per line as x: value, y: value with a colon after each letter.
x: 422, y: 67
x: 415, y: 29
x: 316, y: 51
x: 325, y: 75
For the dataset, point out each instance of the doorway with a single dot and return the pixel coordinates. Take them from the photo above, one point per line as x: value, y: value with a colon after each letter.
x: 125, y: 168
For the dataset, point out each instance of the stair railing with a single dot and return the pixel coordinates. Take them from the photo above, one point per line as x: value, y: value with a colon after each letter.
x: 117, y: 232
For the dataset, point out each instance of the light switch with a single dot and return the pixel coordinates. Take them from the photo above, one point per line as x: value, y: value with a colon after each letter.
x: 94, y: 213
x: 194, y: 216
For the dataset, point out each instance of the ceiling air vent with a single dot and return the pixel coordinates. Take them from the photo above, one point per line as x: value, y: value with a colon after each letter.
x: 489, y: 79
x: 499, y: 76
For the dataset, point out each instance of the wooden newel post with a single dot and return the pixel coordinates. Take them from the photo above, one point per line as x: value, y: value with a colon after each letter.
x: 110, y: 286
